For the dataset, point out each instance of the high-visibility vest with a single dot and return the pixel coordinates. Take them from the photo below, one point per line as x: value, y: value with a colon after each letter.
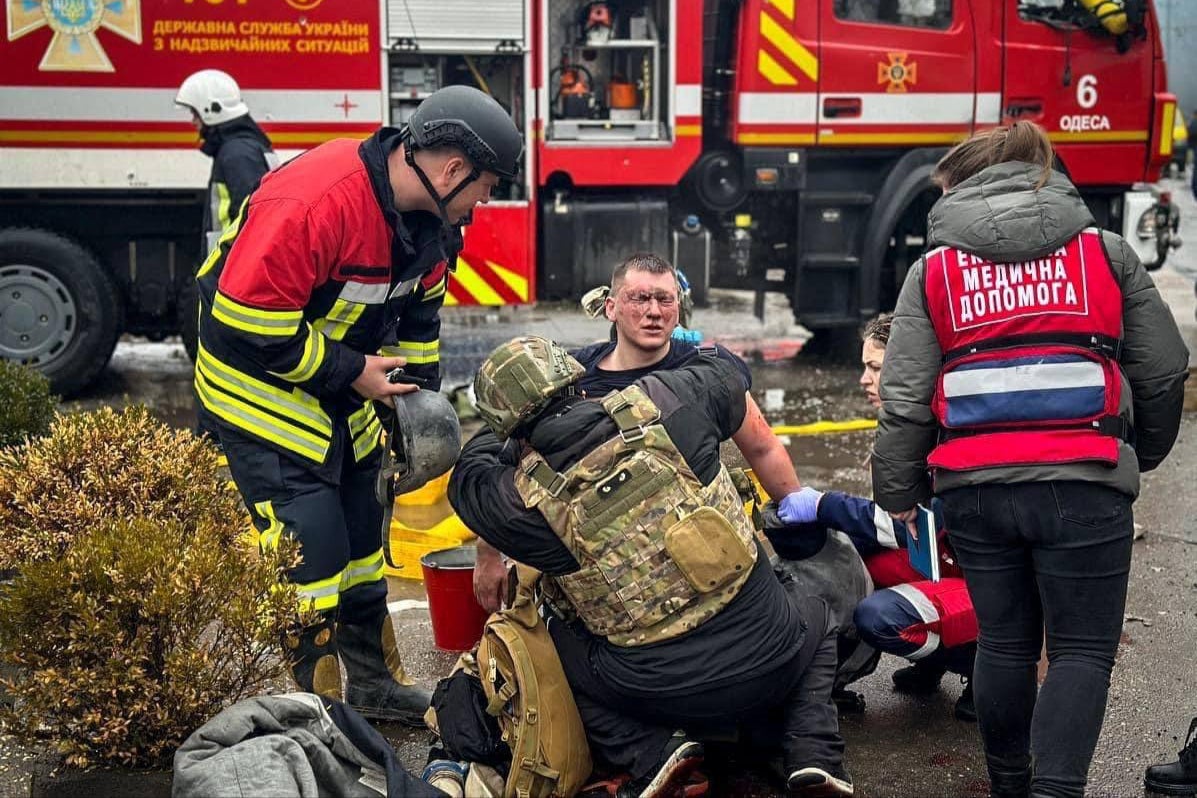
x: 1030, y: 371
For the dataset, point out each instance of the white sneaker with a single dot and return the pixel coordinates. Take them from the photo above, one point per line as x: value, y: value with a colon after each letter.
x: 818, y: 783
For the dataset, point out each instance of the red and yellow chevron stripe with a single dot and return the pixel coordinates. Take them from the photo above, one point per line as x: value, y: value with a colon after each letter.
x: 479, y: 281
x: 786, y: 60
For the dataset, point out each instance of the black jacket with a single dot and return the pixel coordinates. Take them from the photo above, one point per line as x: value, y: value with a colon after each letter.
x: 241, y: 153
x: 702, y: 404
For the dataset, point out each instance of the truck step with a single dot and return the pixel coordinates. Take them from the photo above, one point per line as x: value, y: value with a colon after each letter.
x: 825, y: 261
x: 823, y: 198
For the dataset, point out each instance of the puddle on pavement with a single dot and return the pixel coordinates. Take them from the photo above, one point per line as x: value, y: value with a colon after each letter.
x: 806, y: 390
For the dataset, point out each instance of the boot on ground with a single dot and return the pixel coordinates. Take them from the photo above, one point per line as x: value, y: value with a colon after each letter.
x: 921, y: 678
x: 1179, y: 777
x: 1009, y: 778
x: 378, y: 687
x: 966, y: 709
x: 312, y: 658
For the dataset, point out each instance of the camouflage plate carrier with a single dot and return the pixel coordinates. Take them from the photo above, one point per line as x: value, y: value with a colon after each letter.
x: 660, y: 554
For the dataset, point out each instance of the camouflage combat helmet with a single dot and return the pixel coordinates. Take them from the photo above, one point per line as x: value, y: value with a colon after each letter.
x: 518, y: 378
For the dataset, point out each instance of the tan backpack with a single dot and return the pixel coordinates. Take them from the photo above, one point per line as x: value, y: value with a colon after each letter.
x: 528, y: 693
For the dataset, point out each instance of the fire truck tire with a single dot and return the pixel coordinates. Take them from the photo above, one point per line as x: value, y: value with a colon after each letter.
x: 188, y: 317
x: 60, y: 310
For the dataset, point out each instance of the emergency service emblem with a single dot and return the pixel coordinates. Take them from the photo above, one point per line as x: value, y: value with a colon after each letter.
x: 75, y: 46
x: 897, y: 73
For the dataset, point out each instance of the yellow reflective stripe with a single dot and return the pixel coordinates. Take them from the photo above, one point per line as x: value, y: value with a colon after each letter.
x: 323, y: 594
x: 415, y: 351
x: 313, y: 356
x: 361, y: 418
x: 268, y: 540
x: 255, y: 320
x: 228, y: 235
x: 363, y: 570
x: 1166, y: 128
x: 340, y: 318
x: 365, y: 443
x: 293, y: 404
x: 223, y: 201
x: 437, y: 290
x: 249, y: 418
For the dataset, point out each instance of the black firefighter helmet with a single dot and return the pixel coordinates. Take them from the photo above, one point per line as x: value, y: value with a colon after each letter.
x: 472, y: 121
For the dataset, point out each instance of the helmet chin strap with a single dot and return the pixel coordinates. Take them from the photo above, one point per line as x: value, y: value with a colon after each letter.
x: 442, y: 203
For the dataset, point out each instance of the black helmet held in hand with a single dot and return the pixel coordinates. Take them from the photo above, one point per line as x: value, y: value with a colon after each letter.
x: 471, y: 120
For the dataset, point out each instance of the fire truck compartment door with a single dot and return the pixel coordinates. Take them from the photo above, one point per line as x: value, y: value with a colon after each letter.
x: 455, y: 26
x: 1094, y: 102
x: 910, y: 66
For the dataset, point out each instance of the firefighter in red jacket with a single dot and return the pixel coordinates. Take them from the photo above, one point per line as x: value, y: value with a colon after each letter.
x: 332, y: 278
x: 1034, y: 370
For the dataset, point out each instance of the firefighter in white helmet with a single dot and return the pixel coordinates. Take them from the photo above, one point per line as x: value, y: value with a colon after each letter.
x: 241, y: 153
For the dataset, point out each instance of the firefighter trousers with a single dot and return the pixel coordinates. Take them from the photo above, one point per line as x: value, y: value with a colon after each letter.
x: 338, y: 526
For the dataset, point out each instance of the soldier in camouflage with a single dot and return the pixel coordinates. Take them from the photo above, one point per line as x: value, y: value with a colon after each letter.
x: 663, y: 607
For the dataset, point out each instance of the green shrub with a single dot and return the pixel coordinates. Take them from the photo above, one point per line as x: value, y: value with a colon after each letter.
x: 26, y: 404
x: 142, y: 632
x: 102, y: 466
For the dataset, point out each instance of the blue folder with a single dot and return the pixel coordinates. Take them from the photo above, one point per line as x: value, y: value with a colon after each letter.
x: 924, y: 552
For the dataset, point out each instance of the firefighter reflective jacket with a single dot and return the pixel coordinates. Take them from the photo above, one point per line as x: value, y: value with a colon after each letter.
x: 1030, y: 372
x: 319, y: 270
x: 660, y: 553
x: 241, y: 155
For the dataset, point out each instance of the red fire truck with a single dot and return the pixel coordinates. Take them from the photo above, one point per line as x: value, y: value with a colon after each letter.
x: 773, y: 145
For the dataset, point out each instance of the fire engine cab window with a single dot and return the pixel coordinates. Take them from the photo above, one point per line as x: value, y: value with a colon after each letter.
x: 910, y: 13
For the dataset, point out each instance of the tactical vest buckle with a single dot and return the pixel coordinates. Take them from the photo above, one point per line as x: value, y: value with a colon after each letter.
x: 536, y: 470
x: 632, y: 435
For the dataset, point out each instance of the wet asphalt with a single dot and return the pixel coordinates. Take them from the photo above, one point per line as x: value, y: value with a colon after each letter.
x: 900, y: 745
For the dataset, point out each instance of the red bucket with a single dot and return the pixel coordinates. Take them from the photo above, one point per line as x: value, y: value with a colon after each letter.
x: 457, y: 617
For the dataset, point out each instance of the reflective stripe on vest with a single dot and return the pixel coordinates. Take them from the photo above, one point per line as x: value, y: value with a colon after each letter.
x: 1007, y: 390
x: 1028, y: 375
x: 638, y: 522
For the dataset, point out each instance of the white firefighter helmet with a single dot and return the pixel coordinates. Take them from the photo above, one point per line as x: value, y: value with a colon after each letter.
x: 212, y: 94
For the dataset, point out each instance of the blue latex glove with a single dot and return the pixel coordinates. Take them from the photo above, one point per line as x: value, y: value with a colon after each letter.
x: 800, y: 507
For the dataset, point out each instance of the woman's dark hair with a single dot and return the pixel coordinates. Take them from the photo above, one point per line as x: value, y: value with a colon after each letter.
x: 1021, y: 141
x: 877, y: 329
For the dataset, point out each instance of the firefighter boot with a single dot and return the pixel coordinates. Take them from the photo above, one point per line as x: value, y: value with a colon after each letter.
x: 1179, y: 777
x: 312, y: 652
x: 378, y: 687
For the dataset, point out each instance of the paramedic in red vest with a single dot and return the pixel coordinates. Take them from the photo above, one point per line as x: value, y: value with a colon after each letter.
x: 1033, y: 371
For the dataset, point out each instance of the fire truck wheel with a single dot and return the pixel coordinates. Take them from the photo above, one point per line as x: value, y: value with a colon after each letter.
x: 188, y: 318
x: 60, y: 310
